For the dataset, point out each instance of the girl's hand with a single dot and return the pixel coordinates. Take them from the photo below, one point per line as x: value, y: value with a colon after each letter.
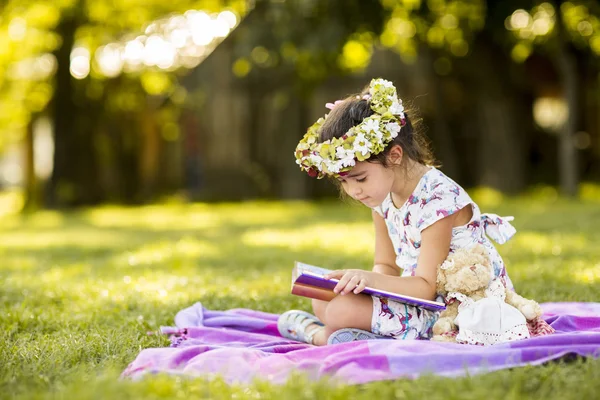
x: 351, y: 280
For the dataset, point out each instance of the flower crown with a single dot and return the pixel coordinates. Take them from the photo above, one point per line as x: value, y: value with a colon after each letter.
x: 337, y: 156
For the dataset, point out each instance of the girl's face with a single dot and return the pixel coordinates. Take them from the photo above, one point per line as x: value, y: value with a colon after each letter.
x: 368, y: 182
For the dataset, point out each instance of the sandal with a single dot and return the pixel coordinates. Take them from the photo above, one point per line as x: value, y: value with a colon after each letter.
x: 352, y: 335
x: 292, y: 325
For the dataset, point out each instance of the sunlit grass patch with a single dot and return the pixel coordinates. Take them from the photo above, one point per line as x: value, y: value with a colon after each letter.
x: 80, y: 291
x: 343, y: 238
x: 553, y: 243
x: 160, y: 218
x: 589, y: 275
x: 589, y: 192
x: 166, y: 251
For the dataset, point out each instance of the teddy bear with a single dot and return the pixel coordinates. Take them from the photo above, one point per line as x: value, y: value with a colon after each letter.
x: 469, y: 273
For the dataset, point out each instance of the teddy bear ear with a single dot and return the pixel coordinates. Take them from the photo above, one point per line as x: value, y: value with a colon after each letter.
x: 447, y: 264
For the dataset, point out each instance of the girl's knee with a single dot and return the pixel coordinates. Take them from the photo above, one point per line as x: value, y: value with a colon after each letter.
x: 349, y: 311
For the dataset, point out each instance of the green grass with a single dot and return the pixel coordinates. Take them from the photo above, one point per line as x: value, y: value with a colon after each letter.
x: 79, y: 291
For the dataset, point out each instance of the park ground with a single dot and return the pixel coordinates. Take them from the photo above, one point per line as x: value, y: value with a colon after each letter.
x: 80, y: 290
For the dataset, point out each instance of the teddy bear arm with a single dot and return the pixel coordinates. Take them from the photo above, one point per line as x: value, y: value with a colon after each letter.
x: 445, y: 323
x: 529, y: 308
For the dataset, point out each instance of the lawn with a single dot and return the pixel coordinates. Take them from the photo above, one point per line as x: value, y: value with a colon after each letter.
x: 80, y: 290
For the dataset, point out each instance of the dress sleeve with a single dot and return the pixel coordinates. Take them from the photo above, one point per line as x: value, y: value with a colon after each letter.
x: 443, y: 198
x: 383, y: 208
x: 378, y: 210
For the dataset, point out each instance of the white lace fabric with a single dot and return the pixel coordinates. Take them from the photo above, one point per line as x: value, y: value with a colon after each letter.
x: 490, y: 320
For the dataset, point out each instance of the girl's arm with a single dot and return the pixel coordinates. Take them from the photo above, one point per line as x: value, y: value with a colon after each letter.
x: 435, y: 246
x: 385, y: 256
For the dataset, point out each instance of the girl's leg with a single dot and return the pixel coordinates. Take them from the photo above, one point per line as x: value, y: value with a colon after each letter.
x: 319, y: 307
x: 347, y: 311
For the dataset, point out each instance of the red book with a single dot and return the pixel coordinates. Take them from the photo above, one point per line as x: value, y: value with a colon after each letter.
x: 309, y: 281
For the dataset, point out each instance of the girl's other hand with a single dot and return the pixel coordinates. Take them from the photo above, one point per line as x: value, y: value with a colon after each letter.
x: 351, y: 280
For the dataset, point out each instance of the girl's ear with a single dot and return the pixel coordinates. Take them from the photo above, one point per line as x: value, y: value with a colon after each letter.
x: 395, y: 155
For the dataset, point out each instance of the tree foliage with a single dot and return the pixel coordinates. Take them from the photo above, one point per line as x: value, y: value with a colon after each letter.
x: 31, y: 34
x: 299, y: 41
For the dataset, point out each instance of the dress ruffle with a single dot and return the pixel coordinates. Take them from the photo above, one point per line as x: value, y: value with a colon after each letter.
x: 498, y: 228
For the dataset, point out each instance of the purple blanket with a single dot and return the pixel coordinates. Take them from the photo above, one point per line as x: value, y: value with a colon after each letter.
x: 241, y: 345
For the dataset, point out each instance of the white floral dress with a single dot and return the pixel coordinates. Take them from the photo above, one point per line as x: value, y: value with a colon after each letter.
x: 436, y: 196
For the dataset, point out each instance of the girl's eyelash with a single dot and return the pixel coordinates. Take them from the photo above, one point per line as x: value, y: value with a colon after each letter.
x: 361, y: 179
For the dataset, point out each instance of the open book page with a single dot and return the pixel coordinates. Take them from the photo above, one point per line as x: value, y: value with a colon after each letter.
x: 300, y: 268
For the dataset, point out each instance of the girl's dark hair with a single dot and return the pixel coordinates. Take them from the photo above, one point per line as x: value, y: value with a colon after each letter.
x: 354, y: 109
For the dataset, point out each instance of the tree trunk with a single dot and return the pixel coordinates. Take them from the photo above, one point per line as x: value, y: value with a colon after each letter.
x: 567, y: 65
x: 149, y: 160
x: 258, y: 170
x: 32, y: 200
x: 440, y: 134
x: 74, y: 175
x: 292, y: 182
x: 502, y: 121
x: 567, y: 155
x: 596, y: 149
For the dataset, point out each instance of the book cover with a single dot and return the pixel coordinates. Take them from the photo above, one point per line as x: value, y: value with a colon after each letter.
x: 309, y: 281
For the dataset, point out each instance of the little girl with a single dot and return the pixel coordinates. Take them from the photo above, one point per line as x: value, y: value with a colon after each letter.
x: 368, y: 144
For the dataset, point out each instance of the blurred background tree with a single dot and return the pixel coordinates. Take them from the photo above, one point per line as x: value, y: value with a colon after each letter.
x: 60, y: 65
x: 567, y: 34
x: 139, y: 99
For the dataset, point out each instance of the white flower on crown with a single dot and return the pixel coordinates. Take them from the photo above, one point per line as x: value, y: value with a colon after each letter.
x: 385, y: 83
x: 332, y: 166
x: 378, y: 135
x: 371, y: 126
x: 362, y: 145
x: 393, y: 128
x: 349, y: 161
x: 315, y: 158
x: 396, y: 108
x: 345, y: 156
